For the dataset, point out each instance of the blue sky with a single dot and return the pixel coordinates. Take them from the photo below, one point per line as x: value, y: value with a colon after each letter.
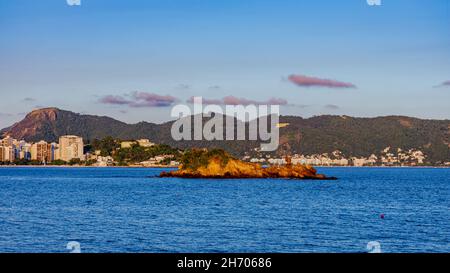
x: 397, y: 56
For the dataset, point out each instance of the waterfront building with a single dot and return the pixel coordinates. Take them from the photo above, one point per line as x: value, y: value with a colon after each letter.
x: 43, y: 151
x: 7, y: 154
x: 7, y: 141
x: 8, y: 151
x: 24, y: 150
x: 70, y: 147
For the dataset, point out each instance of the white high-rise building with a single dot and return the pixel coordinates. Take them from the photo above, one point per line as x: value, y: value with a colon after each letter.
x: 8, y: 149
x: 70, y: 147
x: 7, y: 141
x: 41, y: 151
x: 24, y: 150
x: 7, y: 153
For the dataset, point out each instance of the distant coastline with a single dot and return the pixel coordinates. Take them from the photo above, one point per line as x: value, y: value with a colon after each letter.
x: 387, y: 140
x: 88, y: 167
x: 175, y: 167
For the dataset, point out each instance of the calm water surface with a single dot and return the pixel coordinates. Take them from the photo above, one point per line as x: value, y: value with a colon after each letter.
x: 129, y: 210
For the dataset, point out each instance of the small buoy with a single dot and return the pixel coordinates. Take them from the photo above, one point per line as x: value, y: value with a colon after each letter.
x: 382, y: 216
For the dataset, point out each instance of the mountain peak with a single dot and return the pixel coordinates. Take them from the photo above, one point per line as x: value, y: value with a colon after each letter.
x: 46, y: 109
x: 51, y: 123
x: 49, y: 113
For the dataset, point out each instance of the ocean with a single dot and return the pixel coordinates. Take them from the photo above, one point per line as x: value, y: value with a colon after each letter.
x: 132, y: 210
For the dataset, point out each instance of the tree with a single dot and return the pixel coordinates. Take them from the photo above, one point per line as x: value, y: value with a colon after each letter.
x: 75, y: 161
x: 58, y: 162
x: 107, y: 146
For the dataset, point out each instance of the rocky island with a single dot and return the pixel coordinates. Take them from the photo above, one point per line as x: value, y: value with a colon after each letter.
x: 219, y: 164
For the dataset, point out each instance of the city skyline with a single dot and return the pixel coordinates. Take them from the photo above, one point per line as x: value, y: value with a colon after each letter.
x: 133, y: 60
x: 71, y: 147
x: 67, y: 148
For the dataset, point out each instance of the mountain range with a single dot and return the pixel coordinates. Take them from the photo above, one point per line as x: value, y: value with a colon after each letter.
x: 315, y: 135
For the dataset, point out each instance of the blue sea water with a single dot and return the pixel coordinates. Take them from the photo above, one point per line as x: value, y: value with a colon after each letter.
x: 130, y: 210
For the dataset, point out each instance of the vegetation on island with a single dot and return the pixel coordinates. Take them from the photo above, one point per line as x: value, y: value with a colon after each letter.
x: 195, y: 158
x: 216, y: 163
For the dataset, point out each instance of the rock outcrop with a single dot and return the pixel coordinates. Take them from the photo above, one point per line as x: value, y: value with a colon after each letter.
x: 219, y: 164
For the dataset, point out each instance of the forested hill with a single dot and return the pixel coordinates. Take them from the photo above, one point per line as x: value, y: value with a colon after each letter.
x: 316, y: 135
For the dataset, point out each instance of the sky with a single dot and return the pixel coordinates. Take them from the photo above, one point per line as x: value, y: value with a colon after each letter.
x: 134, y: 59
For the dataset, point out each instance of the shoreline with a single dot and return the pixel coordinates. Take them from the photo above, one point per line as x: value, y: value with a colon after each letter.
x: 91, y: 167
x: 174, y: 167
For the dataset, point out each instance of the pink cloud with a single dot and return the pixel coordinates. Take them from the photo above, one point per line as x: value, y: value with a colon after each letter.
x: 110, y: 99
x: 140, y: 99
x: 143, y: 99
x: 446, y: 83
x: 306, y: 81
x: 231, y: 100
